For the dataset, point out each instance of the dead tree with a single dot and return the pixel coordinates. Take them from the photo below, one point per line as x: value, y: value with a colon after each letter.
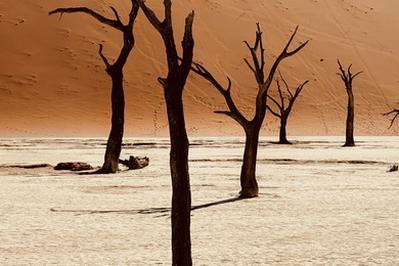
x: 115, y: 71
x: 173, y: 86
x: 348, y: 77
x: 395, y: 113
x: 249, y: 185
x: 284, y: 107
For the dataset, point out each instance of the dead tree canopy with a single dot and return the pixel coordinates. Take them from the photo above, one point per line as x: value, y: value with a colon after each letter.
x: 395, y: 115
x: 284, y: 104
x: 249, y: 185
x: 173, y: 86
x: 347, y: 77
x: 115, y: 71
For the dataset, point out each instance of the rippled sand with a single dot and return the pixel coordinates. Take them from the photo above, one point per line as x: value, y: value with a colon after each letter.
x: 319, y: 204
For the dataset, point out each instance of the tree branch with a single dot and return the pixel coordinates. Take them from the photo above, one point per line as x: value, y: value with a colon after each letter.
x: 285, y: 84
x: 284, y: 54
x: 273, y: 112
x: 151, y: 16
x: 234, y: 111
x: 168, y: 11
x: 396, y: 115
x: 133, y: 12
x: 258, y: 60
x: 280, y: 93
x: 105, y: 60
x: 275, y: 102
x: 299, y: 89
x: 117, y: 24
x: 118, y: 19
x: 347, y: 76
x: 188, y: 44
x: 250, y: 67
x: 296, y: 94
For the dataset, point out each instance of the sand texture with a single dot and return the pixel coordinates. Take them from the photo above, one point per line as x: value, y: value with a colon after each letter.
x: 52, y: 81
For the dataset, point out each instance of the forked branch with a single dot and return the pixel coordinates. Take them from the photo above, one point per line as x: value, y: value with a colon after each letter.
x: 395, y: 113
x: 105, y: 60
x: 286, y: 102
x: 165, y: 28
x: 283, y: 55
x: 347, y: 76
x: 258, y: 56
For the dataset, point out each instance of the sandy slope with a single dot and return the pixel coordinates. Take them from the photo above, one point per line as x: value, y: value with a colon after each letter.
x: 329, y: 210
x: 52, y: 81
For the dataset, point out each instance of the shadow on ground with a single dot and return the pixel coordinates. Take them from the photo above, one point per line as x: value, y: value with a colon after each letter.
x: 161, y: 211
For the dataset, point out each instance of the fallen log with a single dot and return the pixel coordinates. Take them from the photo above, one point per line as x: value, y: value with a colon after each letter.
x: 73, y: 166
x: 30, y: 166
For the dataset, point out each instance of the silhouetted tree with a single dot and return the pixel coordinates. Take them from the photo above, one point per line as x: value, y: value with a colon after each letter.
x: 347, y: 77
x: 249, y: 185
x: 284, y: 108
x: 395, y: 113
x: 115, y: 71
x: 173, y: 86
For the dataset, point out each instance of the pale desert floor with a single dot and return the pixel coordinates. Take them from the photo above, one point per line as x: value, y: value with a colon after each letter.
x: 319, y: 204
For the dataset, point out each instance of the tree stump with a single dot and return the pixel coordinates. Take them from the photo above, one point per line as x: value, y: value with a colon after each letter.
x: 135, y: 163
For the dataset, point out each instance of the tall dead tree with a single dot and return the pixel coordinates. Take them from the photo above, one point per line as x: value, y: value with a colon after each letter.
x: 115, y: 71
x: 284, y: 107
x: 348, y: 77
x: 395, y: 113
x: 173, y: 86
x: 249, y: 184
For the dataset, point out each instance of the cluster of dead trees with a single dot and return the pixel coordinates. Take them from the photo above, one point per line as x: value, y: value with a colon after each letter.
x: 179, y: 66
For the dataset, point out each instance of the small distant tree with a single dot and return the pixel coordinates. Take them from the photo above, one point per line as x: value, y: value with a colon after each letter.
x: 115, y: 71
x: 249, y: 184
x: 347, y: 77
x: 284, y: 105
x: 395, y: 113
x: 173, y: 86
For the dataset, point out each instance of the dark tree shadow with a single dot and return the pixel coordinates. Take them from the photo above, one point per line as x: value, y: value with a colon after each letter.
x: 220, y: 202
x: 162, y: 211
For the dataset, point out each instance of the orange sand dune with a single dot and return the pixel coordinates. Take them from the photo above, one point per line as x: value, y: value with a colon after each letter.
x: 52, y: 81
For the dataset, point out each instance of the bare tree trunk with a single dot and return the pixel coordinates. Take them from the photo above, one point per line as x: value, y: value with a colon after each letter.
x: 350, y: 120
x: 173, y: 90
x: 181, y: 198
x: 284, y: 106
x: 283, y: 131
x: 348, y: 77
x: 115, y: 71
x: 114, y: 144
x: 249, y: 185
